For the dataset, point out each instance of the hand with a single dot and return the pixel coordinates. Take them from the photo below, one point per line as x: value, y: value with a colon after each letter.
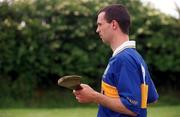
x: 85, y: 95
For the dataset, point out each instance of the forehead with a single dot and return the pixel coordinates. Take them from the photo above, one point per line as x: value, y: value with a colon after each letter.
x: 101, y: 17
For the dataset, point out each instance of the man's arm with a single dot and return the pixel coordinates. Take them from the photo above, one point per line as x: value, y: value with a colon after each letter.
x: 87, y: 95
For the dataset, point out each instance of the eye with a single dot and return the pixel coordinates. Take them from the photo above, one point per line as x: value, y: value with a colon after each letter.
x: 99, y: 24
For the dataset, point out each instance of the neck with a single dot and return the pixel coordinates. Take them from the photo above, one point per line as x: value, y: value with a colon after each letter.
x: 117, y: 41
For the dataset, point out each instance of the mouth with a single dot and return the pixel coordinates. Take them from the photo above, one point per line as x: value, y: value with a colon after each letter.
x: 100, y: 35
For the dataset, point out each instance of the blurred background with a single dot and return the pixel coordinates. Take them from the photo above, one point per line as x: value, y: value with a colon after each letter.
x: 42, y: 40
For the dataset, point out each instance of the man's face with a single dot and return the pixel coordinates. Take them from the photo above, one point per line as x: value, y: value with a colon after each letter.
x: 103, y: 28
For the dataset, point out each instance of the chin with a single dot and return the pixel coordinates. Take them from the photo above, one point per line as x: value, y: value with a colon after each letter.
x: 105, y: 41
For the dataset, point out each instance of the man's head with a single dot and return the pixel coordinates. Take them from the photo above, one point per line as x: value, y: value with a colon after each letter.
x: 112, y: 17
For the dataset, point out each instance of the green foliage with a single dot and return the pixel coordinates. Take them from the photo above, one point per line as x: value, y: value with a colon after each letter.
x: 42, y: 40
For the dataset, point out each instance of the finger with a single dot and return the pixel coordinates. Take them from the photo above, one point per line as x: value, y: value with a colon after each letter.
x: 77, y: 97
x: 74, y: 92
x: 83, y: 85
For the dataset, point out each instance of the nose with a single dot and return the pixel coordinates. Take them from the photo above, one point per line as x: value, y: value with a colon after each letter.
x: 97, y: 30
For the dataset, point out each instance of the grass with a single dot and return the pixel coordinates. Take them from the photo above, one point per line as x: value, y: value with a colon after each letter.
x: 160, y: 111
x: 164, y: 111
x: 71, y: 112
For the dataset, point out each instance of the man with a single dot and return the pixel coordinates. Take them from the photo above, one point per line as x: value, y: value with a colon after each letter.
x: 126, y: 87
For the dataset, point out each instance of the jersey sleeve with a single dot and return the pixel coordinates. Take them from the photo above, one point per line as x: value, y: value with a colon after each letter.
x: 128, y: 85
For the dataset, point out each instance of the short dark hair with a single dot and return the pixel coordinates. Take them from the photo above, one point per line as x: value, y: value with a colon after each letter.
x: 119, y: 13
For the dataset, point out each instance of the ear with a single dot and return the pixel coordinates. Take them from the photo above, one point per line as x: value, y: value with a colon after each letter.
x: 114, y: 24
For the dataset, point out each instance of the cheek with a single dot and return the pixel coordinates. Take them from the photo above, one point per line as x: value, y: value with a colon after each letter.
x: 106, y: 31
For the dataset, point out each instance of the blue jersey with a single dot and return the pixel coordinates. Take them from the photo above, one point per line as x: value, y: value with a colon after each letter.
x: 122, y: 79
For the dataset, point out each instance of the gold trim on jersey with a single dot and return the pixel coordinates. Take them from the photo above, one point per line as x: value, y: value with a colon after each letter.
x: 109, y: 90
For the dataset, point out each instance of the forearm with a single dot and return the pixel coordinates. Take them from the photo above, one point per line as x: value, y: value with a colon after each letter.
x: 114, y: 104
x: 88, y: 95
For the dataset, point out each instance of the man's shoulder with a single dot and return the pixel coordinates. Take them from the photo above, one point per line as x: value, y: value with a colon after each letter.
x: 128, y: 57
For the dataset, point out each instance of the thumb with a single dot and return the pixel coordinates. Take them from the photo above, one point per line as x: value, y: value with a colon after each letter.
x: 83, y: 85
